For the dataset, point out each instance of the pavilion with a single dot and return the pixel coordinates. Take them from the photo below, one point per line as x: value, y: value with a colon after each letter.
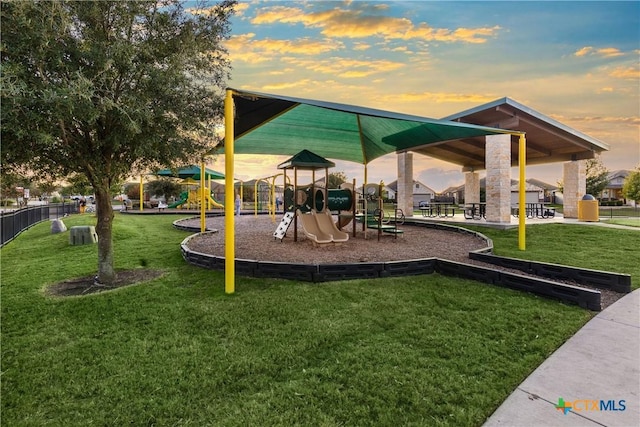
x: 490, y: 137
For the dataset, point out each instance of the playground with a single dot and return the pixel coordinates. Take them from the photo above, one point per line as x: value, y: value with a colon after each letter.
x: 254, y: 241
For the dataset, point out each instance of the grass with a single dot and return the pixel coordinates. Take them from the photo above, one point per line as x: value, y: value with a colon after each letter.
x: 597, y: 248
x: 631, y: 222
x: 422, y: 350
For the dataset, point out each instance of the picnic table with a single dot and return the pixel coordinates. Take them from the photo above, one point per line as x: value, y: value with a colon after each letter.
x: 475, y: 210
x: 442, y: 210
x: 534, y: 210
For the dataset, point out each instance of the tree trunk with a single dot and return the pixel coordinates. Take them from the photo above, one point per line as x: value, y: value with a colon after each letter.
x: 104, y: 212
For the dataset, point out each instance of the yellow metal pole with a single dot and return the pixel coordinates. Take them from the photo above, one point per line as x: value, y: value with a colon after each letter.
x: 209, y: 193
x: 522, y: 163
x: 229, y: 220
x: 141, y: 194
x: 203, y: 221
x: 255, y: 198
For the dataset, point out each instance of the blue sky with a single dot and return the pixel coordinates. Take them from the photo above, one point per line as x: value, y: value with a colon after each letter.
x: 577, y: 62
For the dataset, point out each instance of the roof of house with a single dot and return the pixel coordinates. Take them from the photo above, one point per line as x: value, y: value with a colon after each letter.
x: 394, y: 185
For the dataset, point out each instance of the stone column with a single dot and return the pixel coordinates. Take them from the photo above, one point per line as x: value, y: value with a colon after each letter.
x: 498, y: 163
x: 404, y: 195
x: 472, y: 187
x: 575, y: 186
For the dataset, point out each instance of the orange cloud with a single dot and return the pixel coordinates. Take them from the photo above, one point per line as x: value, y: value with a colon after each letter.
x: 605, y: 52
x: 287, y: 85
x: 610, y: 120
x: 343, y: 23
x: 245, y: 48
x: 442, y: 97
x: 361, y: 46
x: 347, y: 68
x: 628, y: 73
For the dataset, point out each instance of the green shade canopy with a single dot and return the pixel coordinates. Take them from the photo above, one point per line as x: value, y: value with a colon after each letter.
x: 282, y: 125
x: 191, y: 171
x: 306, y: 160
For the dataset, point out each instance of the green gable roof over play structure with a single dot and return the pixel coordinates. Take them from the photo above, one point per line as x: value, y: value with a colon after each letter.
x: 306, y: 160
x: 191, y: 171
x: 283, y: 125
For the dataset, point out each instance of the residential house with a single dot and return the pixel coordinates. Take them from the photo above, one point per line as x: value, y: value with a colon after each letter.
x: 536, y: 192
x: 613, y: 190
x: 421, y: 192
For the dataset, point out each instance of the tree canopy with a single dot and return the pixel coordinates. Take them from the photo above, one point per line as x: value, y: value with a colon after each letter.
x: 336, y: 179
x: 631, y: 186
x: 597, y: 177
x: 109, y: 88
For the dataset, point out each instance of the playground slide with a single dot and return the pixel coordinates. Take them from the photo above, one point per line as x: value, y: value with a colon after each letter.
x: 343, y: 221
x: 311, y: 229
x: 183, y: 199
x: 215, y: 204
x: 327, y: 226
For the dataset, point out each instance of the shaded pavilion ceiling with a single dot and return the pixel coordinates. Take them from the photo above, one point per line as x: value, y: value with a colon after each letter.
x: 283, y: 125
x: 548, y: 141
x: 276, y: 124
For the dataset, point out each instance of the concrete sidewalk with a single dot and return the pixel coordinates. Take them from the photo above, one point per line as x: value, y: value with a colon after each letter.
x: 600, y: 364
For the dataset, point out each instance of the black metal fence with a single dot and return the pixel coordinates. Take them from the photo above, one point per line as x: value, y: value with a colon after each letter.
x: 15, y: 222
x: 619, y: 211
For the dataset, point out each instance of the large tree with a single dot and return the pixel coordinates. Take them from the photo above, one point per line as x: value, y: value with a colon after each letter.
x: 110, y: 88
x: 597, y: 176
x: 631, y: 186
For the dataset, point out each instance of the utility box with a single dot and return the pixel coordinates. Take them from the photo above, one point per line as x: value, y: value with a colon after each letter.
x: 588, y: 209
x: 83, y: 235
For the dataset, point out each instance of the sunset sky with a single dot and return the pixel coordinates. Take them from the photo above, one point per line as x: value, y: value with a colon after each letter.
x: 577, y: 62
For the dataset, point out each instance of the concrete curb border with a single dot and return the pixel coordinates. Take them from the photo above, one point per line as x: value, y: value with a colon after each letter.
x: 317, y: 273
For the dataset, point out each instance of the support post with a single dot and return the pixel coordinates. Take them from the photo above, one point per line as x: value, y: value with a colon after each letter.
x: 141, y: 194
x: 522, y: 163
x: 229, y: 212
x: 498, y: 182
x: 404, y: 195
x: 203, y: 221
x: 575, y: 186
x: 472, y: 187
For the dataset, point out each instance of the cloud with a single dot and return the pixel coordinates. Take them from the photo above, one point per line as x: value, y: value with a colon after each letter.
x: 241, y: 8
x: 346, y: 67
x: 440, y: 97
x: 437, y: 178
x: 605, y: 52
x: 245, y: 47
x: 361, y: 46
x: 609, y: 120
x: 626, y: 73
x: 288, y: 85
x: 356, y: 23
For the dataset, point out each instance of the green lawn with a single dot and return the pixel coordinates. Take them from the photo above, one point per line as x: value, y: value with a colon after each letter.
x: 631, y: 222
x: 423, y: 350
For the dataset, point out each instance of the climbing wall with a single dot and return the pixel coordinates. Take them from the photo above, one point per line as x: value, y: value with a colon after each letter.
x: 284, y: 225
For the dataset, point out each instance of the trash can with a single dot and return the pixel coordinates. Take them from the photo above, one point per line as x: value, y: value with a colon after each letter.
x: 588, y: 209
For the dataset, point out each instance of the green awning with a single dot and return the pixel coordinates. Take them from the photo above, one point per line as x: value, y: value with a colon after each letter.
x: 191, y: 171
x: 306, y: 160
x: 281, y: 125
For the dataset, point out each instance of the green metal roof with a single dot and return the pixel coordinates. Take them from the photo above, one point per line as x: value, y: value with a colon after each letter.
x: 306, y: 160
x: 191, y: 171
x: 282, y: 125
